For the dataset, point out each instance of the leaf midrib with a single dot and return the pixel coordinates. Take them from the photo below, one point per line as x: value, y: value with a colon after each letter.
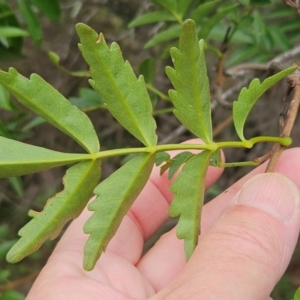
x: 116, y: 88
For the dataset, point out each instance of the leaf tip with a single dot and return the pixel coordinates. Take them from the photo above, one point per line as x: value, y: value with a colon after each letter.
x: 189, y: 23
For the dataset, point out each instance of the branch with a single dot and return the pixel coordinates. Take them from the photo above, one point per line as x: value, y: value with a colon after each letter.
x: 287, y: 124
x: 295, y: 5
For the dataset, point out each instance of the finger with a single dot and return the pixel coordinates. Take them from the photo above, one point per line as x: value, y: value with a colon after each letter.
x: 165, y: 260
x: 247, y: 249
x: 147, y: 214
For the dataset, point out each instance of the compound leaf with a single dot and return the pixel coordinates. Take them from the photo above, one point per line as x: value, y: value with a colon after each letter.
x: 79, y: 182
x: 125, y: 96
x: 153, y: 17
x: 41, y: 98
x: 191, y: 97
x: 248, y: 97
x: 115, y: 196
x: 18, y: 158
x: 188, y: 200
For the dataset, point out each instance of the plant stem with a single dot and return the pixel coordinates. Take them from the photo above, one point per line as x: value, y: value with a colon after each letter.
x: 210, y: 147
x: 294, y: 83
x: 162, y: 111
x: 157, y: 92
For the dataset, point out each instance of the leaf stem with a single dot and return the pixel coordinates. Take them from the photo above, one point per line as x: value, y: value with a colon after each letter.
x: 157, y: 92
x: 162, y: 111
x: 294, y: 83
x: 210, y: 147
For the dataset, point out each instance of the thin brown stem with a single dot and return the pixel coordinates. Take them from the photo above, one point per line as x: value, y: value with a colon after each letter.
x: 222, y: 125
x: 294, y: 84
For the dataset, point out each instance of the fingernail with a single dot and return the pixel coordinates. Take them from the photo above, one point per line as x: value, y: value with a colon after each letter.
x: 273, y: 193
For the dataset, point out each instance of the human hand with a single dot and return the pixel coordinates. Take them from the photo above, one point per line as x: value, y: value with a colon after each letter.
x: 248, y: 235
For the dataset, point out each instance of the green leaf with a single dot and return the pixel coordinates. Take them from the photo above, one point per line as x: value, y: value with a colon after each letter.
x: 148, y: 68
x: 191, y: 97
x: 177, y: 161
x: 115, y: 196
x: 125, y: 96
x: 216, y: 159
x: 216, y: 19
x: 88, y: 100
x: 40, y: 97
x: 258, y: 28
x: 17, y: 185
x: 297, y: 294
x: 153, y: 17
x: 202, y: 10
x: 245, y: 2
x: 54, y: 57
x: 32, y: 21
x: 261, y: 2
x: 240, y: 36
x: 79, y: 182
x: 279, y: 13
x: 11, y: 46
x: 5, y: 102
x: 18, y: 158
x: 241, y: 54
x: 161, y: 157
x: 4, y: 132
x: 248, y: 97
x: 12, y: 295
x: 183, y: 6
x: 4, y: 248
x: 188, y: 200
x: 279, y: 38
x: 49, y: 8
x: 170, y: 5
x: 33, y: 123
x: 10, y: 31
x: 171, y: 33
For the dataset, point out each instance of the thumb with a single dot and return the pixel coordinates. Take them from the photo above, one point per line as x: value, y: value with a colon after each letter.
x: 248, y: 248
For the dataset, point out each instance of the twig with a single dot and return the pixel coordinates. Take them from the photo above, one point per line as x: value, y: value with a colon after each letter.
x: 222, y: 125
x: 295, y: 5
x: 178, y: 131
x: 294, y: 84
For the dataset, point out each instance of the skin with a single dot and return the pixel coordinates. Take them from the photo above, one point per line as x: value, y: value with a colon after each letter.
x: 249, y: 233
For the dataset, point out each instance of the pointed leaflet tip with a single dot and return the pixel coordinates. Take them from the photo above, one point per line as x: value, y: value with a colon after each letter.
x: 41, y: 98
x: 79, y: 182
x: 248, y: 97
x: 114, y: 80
x: 192, y: 100
x: 188, y: 200
x: 17, y: 159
